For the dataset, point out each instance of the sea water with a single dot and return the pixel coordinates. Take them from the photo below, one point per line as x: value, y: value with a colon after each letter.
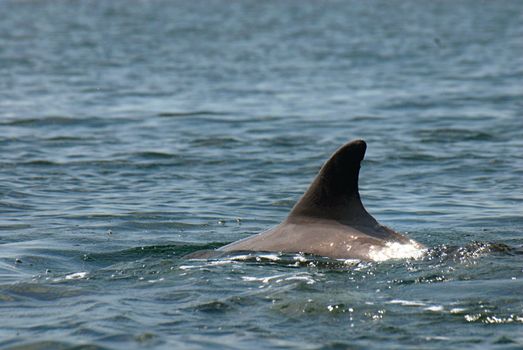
x: 135, y: 132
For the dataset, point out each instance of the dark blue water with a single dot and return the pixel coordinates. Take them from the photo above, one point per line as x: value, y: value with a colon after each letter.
x: 134, y: 132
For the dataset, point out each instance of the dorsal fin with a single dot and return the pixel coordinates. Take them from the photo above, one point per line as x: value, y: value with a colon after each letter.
x: 334, y: 192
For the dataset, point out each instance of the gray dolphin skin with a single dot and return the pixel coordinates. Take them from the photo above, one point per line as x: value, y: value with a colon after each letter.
x: 330, y: 220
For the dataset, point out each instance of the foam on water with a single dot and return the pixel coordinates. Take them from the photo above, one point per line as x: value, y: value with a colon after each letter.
x: 76, y: 275
x: 407, y: 302
x: 395, y: 250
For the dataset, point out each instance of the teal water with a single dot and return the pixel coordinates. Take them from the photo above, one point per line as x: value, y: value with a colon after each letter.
x: 135, y: 132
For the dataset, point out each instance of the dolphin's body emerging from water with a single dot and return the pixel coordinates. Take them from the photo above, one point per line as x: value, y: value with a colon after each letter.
x: 329, y: 220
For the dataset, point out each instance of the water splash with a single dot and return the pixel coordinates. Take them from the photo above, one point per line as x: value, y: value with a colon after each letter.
x: 395, y: 250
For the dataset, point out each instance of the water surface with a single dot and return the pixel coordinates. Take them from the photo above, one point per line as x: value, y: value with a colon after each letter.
x: 133, y: 133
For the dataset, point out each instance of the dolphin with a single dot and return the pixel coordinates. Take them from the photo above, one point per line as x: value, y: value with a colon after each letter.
x: 329, y: 220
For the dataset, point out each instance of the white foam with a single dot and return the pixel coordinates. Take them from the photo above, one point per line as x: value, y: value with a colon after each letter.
x: 157, y: 280
x: 207, y: 264
x: 300, y: 258
x: 472, y: 318
x: 272, y: 257
x: 406, y: 302
x: 457, y: 310
x: 76, y: 276
x: 307, y: 279
x: 434, y: 308
x: 280, y: 278
x: 349, y: 261
x: 258, y: 257
x: 437, y: 337
x: 266, y: 279
x: 396, y: 250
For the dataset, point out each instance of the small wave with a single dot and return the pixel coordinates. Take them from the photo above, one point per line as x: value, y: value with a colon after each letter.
x: 50, y: 344
x: 367, y: 118
x: 13, y: 227
x: 92, y: 122
x: 435, y: 308
x: 76, y: 276
x: 457, y: 310
x: 261, y: 279
x: 190, y: 114
x: 144, y: 252
x: 470, y: 251
x: 304, y: 277
x: 423, y: 157
x: 50, y: 120
x: 93, y: 163
x: 36, y: 291
x: 283, y: 259
x: 257, y: 256
x: 410, y: 104
x: 214, y: 141
x: 67, y: 139
x: 206, y: 264
x: 11, y: 206
x: 214, y: 307
x: 407, y: 302
x: 493, y: 319
x: 453, y: 135
x: 151, y: 155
